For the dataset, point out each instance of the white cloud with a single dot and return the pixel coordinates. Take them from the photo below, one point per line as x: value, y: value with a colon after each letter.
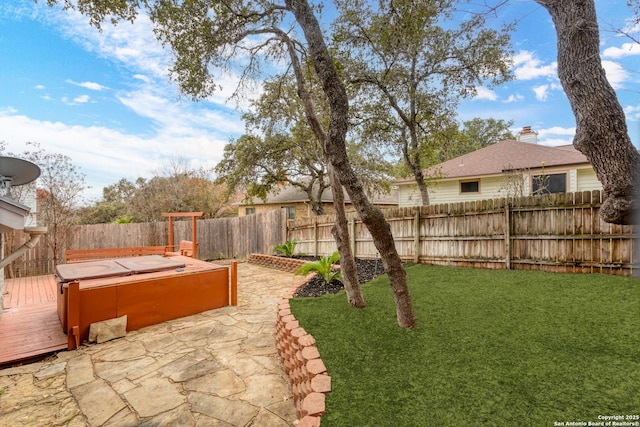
x: 528, y: 67
x: 557, y: 130
x: 627, y: 49
x: 180, y: 118
x: 616, y: 74
x: 136, y: 48
x: 105, y: 155
x: 556, y: 135
x: 632, y: 112
x: 82, y: 99
x: 483, y: 93
x: 134, y: 45
x: 39, y: 87
x: 542, y: 92
x: 88, y: 85
x: 142, y: 77
x: 514, y: 97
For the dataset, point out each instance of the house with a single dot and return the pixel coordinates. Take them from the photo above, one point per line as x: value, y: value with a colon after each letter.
x: 505, y: 169
x: 296, y: 202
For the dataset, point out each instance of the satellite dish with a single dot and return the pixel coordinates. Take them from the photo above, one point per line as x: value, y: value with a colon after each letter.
x: 14, y: 172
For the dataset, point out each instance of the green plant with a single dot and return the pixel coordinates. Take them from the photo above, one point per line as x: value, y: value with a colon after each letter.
x: 324, y: 267
x: 286, y: 249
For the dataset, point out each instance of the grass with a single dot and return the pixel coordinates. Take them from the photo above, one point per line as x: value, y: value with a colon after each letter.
x: 491, y: 348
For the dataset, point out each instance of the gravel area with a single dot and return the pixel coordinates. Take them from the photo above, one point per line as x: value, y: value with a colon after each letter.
x: 367, y: 269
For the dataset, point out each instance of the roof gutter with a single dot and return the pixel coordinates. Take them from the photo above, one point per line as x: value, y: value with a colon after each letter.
x: 35, y: 233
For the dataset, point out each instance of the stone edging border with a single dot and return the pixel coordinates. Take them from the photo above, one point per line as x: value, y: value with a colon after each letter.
x: 298, y: 351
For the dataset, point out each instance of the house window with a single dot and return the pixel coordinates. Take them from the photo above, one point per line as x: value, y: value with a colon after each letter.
x: 547, y: 184
x: 469, y: 186
x: 249, y: 211
x: 291, y: 212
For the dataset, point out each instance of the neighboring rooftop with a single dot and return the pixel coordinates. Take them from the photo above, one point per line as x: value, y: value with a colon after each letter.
x: 506, y: 155
x: 291, y: 194
x: 509, y: 155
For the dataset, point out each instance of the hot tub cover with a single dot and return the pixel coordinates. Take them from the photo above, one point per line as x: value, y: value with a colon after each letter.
x: 115, y: 268
x: 90, y: 270
x: 149, y: 264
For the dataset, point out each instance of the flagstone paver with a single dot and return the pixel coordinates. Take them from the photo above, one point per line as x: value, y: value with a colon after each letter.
x: 217, y: 368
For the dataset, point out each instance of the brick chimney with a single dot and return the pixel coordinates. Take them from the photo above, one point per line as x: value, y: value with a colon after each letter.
x: 527, y: 135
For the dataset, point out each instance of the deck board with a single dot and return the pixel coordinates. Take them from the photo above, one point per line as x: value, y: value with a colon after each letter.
x: 29, y: 325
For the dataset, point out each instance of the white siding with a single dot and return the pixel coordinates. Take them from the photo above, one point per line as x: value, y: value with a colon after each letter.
x: 572, y: 185
x: 587, y: 180
x: 408, y: 195
x: 448, y: 191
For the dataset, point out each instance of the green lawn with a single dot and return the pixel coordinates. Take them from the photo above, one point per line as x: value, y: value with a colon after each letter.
x: 491, y: 348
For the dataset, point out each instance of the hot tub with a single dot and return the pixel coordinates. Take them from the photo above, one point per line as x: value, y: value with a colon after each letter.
x: 148, y: 289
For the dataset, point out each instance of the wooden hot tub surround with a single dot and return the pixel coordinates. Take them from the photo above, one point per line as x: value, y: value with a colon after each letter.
x: 190, y: 286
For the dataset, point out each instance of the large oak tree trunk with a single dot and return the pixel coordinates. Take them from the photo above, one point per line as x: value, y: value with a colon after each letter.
x: 340, y: 233
x: 336, y: 153
x: 601, y: 132
x: 340, y: 229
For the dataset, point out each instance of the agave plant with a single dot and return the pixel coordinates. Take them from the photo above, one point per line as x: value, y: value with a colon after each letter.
x: 286, y: 249
x: 323, y: 267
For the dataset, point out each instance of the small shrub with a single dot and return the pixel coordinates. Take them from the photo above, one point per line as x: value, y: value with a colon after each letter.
x: 286, y: 249
x: 323, y: 267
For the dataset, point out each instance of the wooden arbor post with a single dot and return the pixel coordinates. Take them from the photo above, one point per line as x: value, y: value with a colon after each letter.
x: 194, y: 235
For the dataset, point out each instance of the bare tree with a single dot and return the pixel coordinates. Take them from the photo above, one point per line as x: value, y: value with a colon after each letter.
x: 59, y: 190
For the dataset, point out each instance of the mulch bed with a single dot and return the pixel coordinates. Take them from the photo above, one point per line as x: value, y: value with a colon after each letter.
x: 367, y: 270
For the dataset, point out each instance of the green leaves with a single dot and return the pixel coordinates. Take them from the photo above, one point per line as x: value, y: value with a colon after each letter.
x: 408, y: 64
x: 286, y: 249
x: 324, y: 267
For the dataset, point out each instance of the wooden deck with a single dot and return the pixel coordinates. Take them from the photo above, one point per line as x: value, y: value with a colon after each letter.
x: 29, y: 326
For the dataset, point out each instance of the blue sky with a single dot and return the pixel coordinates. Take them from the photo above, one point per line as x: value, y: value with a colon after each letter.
x: 105, y: 99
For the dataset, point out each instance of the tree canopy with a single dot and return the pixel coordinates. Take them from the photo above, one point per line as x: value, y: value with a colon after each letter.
x: 280, y: 147
x: 409, y: 63
x: 177, y: 188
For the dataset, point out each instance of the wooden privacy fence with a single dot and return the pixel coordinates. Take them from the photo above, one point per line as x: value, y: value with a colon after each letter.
x: 220, y: 238
x: 558, y: 232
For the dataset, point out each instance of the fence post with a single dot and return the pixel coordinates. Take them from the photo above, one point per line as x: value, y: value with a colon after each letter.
x: 416, y: 236
x: 352, y: 235
x: 315, y: 236
x: 233, y: 279
x: 507, y: 236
